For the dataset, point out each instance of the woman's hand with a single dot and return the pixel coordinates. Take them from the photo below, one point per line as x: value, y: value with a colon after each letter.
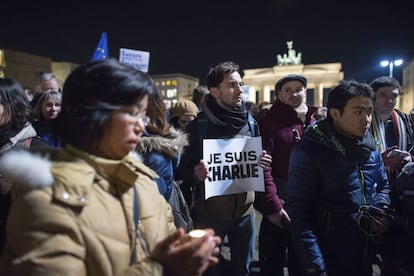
x: 181, y: 254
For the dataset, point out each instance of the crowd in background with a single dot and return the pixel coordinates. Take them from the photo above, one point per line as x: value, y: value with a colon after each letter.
x: 100, y: 177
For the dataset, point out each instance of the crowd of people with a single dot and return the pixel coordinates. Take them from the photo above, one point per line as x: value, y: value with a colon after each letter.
x: 91, y: 174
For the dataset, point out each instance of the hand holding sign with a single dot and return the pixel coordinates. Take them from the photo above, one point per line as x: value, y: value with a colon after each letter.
x: 201, y: 170
x: 265, y: 159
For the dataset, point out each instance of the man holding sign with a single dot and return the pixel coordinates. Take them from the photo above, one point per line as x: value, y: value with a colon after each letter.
x: 223, y: 171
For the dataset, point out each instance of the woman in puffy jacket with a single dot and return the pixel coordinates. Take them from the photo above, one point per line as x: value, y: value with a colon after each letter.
x: 91, y: 207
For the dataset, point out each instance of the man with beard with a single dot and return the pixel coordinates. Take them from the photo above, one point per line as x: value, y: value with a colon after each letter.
x: 394, y: 133
x: 281, y: 130
x: 225, y: 116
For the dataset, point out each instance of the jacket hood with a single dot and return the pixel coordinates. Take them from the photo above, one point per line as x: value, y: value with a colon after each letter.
x: 171, y: 145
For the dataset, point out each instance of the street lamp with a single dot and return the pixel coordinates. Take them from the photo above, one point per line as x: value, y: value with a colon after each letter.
x: 391, y: 64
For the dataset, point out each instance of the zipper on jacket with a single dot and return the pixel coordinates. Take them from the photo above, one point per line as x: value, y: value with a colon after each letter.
x: 362, y: 183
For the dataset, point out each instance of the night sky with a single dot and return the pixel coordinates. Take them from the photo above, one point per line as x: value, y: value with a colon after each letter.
x: 190, y: 36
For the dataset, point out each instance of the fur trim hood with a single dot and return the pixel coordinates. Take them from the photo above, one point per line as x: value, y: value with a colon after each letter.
x: 21, y: 166
x: 42, y: 169
x: 171, y: 145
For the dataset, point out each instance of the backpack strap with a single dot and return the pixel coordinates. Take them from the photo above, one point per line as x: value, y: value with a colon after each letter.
x: 202, y: 125
x: 253, y: 126
x: 28, y: 142
x: 136, y: 220
x: 24, y: 143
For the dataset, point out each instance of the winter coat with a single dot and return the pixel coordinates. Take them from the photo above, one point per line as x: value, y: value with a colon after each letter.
x: 404, y: 185
x: 73, y: 214
x: 161, y: 153
x: 281, y: 131
x: 278, y: 137
x: 328, y: 183
x: 24, y: 139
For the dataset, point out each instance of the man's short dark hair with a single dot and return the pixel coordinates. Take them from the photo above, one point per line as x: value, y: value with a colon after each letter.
x: 217, y: 73
x: 385, y: 81
x: 346, y: 90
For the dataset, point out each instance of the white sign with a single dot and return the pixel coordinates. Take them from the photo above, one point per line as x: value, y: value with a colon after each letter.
x: 233, y: 166
x: 134, y: 58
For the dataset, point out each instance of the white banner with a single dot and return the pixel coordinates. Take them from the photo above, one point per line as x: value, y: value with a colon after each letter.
x: 233, y: 166
x: 134, y: 58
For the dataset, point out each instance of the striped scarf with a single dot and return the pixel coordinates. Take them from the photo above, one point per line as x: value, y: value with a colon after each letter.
x: 378, y: 131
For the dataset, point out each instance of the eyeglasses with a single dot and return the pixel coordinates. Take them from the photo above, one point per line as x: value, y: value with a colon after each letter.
x: 143, y: 120
x: 134, y: 113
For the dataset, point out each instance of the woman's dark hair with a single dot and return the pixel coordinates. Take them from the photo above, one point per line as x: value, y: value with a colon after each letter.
x: 17, y: 110
x: 385, y: 81
x: 158, y: 123
x: 91, y: 92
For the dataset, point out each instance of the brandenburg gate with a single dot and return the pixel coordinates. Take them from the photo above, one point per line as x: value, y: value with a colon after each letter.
x: 321, y: 77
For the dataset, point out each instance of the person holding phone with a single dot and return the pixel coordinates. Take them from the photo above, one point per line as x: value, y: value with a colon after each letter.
x: 394, y: 133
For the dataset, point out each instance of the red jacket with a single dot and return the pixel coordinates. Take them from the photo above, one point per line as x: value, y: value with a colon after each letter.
x: 281, y: 130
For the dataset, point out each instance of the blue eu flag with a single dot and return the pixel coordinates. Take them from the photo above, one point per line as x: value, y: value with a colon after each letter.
x: 101, y: 51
